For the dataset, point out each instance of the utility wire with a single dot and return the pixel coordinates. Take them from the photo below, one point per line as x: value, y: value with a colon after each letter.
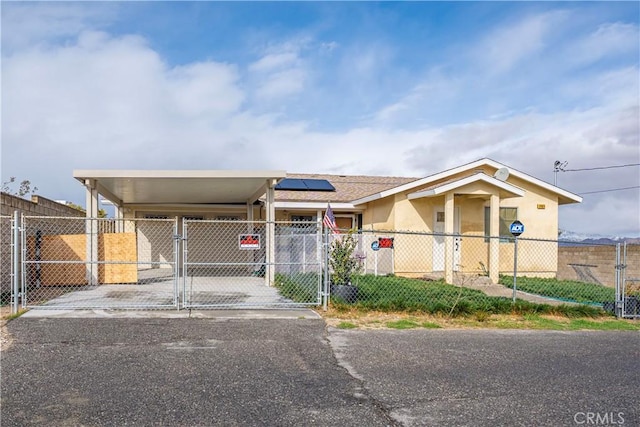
x: 600, y: 167
x: 612, y: 189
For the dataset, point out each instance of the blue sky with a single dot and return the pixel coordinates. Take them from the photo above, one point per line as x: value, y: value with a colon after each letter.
x: 399, y: 88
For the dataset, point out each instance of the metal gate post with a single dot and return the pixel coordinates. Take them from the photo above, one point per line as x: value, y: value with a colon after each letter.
x: 176, y: 266
x: 185, y: 250
x: 619, y: 303
x: 325, y: 302
x: 15, y: 255
x: 23, y: 261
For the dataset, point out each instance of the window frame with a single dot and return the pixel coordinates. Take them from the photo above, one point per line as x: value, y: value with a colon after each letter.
x: 503, y: 223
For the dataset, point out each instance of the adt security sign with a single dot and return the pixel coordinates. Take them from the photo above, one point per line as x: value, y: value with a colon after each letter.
x: 516, y: 228
x: 375, y: 245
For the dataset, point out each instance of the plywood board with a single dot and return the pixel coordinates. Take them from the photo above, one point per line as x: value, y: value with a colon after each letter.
x: 68, y: 253
x: 59, y: 248
x: 117, y: 247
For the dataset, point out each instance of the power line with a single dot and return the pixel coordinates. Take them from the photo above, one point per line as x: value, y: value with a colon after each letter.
x: 599, y: 167
x: 612, y: 189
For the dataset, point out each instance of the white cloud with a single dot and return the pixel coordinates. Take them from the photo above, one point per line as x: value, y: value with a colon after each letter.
x: 282, y: 84
x: 280, y: 73
x: 510, y: 45
x: 104, y: 101
x: 274, y: 61
x: 609, y: 39
x: 29, y: 23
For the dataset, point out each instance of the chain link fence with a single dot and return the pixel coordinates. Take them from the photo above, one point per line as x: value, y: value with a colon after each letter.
x: 151, y: 263
x: 628, y: 296
x: 440, y: 273
x: 98, y: 263
x: 231, y: 264
x: 6, y: 259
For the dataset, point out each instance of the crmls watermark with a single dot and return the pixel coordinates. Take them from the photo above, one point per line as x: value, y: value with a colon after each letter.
x: 599, y: 418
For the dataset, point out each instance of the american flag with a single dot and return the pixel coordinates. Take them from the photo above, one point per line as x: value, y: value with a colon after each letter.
x: 329, y: 220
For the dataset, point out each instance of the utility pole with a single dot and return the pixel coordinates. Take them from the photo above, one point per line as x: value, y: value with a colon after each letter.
x: 557, y: 167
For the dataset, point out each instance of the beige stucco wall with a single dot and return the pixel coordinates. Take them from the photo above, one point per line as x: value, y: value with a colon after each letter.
x: 538, y: 210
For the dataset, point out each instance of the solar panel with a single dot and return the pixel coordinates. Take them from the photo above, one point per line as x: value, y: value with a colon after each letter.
x: 297, y: 184
x: 291, y: 184
x: 318, y: 185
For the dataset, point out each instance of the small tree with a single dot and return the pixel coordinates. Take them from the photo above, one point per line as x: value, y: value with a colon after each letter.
x: 23, y: 189
x: 342, y: 261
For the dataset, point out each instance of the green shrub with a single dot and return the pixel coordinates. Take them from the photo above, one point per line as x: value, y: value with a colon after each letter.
x: 342, y: 261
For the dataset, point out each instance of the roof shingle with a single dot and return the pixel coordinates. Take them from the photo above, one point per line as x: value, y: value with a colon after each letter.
x: 348, y: 187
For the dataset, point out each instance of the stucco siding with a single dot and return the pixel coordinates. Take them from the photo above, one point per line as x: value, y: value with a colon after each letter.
x: 379, y: 214
x: 538, y: 210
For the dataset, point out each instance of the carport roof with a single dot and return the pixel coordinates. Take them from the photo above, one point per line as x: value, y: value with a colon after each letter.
x: 130, y: 187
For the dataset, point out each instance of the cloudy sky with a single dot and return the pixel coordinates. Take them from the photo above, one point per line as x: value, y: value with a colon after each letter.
x: 404, y: 89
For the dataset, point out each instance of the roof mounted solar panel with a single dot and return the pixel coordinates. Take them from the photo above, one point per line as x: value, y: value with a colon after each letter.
x: 318, y: 185
x: 298, y: 184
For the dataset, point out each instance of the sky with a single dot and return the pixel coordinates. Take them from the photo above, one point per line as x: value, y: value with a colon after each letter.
x: 391, y: 88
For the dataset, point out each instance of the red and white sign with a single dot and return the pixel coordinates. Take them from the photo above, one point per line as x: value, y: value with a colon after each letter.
x: 249, y: 241
x: 385, y: 242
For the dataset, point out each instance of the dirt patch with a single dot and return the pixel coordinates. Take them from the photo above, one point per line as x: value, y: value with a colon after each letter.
x: 5, y: 337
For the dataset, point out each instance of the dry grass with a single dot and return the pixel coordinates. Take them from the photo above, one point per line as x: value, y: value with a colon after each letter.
x: 381, y: 320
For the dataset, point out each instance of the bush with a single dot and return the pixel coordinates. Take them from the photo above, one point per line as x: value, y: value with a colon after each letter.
x: 342, y: 261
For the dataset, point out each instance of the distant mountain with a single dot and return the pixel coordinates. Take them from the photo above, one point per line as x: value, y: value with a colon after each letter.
x: 570, y: 236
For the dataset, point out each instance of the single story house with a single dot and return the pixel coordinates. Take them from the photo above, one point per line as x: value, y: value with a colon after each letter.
x: 478, y: 199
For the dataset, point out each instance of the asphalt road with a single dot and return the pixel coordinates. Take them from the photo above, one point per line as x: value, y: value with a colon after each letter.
x: 207, y: 372
x: 497, y: 377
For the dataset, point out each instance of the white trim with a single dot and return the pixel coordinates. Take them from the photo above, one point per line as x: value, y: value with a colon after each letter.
x: 464, y: 181
x: 137, y: 173
x: 315, y: 205
x: 571, y: 196
x: 482, y: 162
x: 186, y: 206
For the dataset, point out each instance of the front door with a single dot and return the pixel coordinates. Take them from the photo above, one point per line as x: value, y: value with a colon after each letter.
x: 438, y: 239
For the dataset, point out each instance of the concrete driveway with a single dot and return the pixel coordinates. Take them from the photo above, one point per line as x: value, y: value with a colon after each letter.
x: 293, y: 372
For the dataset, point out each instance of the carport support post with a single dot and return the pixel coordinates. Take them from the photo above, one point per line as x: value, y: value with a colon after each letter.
x: 494, y: 241
x: 448, y: 239
x: 91, y: 228
x: 250, y: 255
x: 269, y: 276
x: 119, y: 214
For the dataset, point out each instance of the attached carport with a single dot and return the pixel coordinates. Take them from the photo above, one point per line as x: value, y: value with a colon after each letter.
x: 157, y: 190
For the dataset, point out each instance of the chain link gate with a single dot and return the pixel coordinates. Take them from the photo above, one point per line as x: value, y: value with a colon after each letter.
x: 628, y: 289
x: 250, y: 264
x: 7, y: 267
x: 98, y: 263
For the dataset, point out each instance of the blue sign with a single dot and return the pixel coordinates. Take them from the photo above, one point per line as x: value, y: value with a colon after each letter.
x: 375, y: 245
x: 516, y: 228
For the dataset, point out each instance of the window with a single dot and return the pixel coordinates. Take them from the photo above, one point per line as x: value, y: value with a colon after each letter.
x: 507, y: 216
x: 303, y: 224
